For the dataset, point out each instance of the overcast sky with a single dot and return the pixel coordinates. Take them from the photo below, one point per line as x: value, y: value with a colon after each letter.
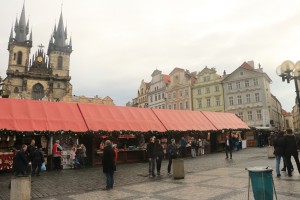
x: 117, y: 43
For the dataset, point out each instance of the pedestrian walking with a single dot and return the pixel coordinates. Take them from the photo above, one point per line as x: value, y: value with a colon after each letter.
x: 228, y: 146
x: 279, y: 145
x: 291, y: 150
x: 108, y: 164
x: 30, y: 149
x: 37, y: 161
x: 57, y: 152
x: 172, y: 154
x: 193, y: 148
x: 151, y: 157
x: 159, y: 154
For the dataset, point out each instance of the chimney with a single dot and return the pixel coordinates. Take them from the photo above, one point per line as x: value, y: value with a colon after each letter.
x: 251, y: 63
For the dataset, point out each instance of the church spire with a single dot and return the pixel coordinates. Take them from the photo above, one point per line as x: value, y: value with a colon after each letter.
x: 59, y: 34
x: 21, y: 28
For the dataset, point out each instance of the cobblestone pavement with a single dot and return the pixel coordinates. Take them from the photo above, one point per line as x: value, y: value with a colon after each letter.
x: 207, y: 177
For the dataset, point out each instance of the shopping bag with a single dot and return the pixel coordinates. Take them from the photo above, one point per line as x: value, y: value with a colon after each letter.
x: 43, y: 168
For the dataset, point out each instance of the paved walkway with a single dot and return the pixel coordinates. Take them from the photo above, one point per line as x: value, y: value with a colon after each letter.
x: 207, y: 177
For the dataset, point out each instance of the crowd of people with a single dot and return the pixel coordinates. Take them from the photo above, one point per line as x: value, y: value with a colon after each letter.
x: 286, y: 145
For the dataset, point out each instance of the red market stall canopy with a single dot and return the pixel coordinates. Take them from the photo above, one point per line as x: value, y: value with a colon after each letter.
x: 225, y: 120
x: 183, y: 120
x: 117, y: 118
x: 30, y: 115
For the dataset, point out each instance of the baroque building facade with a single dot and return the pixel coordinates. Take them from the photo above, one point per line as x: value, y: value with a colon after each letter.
x: 157, y: 90
x: 247, y: 94
x: 44, y: 76
x: 179, y: 90
x: 142, y: 101
x: 208, y: 91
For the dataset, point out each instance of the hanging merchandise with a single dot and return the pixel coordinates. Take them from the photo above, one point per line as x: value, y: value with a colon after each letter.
x: 14, y: 138
x: 7, y: 139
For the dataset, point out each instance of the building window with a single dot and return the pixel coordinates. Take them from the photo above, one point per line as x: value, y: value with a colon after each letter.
x: 174, y: 106
x: 241, y: 73
x: 187, y: 105
x: 238, y: 85
x: 163, y: 95
x: 217, y: 88
x: 229, y: 86
x: 60, y: 62
x: 207, y: 90
x: 208, y: 102
x: 248, y: 98
x: 155, y: 97
x: 258, y: 112
x: 170, y: 107
x: 163, y: 106
x: 249, y: 115
x: 239, y: 99
x: 199, y: 103
x: 20, y: 55
x: 180, y: 93
x: 231, y: 101
x: 255, y: 81
x: 181, y: 106
x: 169, y: 96
x: 206, y: 78
x: 174, y: 95
x: 257, y: 99
x: 240, y: 114
x: 199, y: 91
x: 218, y: 102
x: 16, y: 90
x: 151, y: 100
x: 186, y: 92
x: 158, y: 96
x: 247, y: 83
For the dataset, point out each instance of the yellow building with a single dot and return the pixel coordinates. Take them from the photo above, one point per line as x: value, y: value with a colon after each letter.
x: 208, y: 91
x: 142, y: 101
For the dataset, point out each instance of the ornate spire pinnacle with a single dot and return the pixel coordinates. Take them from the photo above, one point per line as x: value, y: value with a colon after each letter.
x: 21, y: 29
x: 59, y: 34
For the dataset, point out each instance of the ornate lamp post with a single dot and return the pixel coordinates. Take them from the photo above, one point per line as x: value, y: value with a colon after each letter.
x: 289, y: 71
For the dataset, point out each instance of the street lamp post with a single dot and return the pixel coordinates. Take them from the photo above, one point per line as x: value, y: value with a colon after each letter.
x: 289, y: 71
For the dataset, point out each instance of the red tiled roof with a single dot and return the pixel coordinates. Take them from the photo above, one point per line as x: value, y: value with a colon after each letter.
x: 245, y: 65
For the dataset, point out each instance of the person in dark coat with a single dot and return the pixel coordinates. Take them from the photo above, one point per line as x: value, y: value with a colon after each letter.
x: 172, y: 154
x: 151, y: 157
x: 279, y: 146
x: 108, y: 163
x: 30, y: 149
x: 21, y: 163
x: 159, y: 155
x: 183, y: 144
x: 37, y: 161
x: 228, y: 145
x: 291, y: 150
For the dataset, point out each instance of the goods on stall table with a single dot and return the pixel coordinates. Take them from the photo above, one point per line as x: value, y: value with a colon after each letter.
x: 6, y: 160
x: 66, y: 159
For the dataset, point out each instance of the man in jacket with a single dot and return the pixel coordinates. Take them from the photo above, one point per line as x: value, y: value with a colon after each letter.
x: 108, y: 164
x: 172, y: 154
x: 228, y: 145
x: 279, y: 146
x: 21, y: 163
x: 151, y: 157
x: 291, y: 150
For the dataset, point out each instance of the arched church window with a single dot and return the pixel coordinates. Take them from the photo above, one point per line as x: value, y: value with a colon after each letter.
x: 37, y: 92
x: 60, y: 62
x: 20, y: 55
x: 16, y: 90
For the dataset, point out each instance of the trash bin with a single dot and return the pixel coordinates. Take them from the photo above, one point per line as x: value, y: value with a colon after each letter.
x: 20, y: 188
x: 271, y: 152
x: 262, y: 183
x: 178, y: 168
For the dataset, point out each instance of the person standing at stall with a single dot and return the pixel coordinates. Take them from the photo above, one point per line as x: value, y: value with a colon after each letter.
x: 57, y: 151
x: 193, y: 147
x: 83, y: 155
x: 108, y: 164
x: 159, y: 154
x: 37, y: 161
x: 172, y: 154
x: 183, y: 144
x: 20, y: 162
x: 228, y: 146
x: 151, y: 157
